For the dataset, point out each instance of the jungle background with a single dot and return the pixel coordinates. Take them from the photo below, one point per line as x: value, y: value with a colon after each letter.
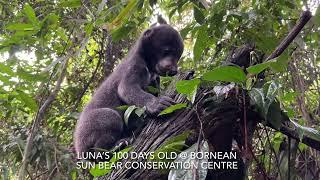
x: 53, y: 54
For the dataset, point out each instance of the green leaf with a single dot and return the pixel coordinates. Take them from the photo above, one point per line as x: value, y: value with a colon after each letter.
x: 121, y: 32
x: 28, y: 101
x: 275, y: 115
x: 184, y: 32
x: 278, y: 64
x: 153, y: 90
x: 173, y: 108
x: 306, y: 131
x: 20, y: 27
x: 22, y: 74
x: 189, y: 88
x: 264, y: 97
x: 289, y: 97
x: 31, y: 15
x: 88, y: 29
x: 256, y: 69
x: 127, y: 114
x: 6, y: 69
x: 70, y: 3
x: 139, y: 111
x: 268, y: 107
x: 201, y: 43
x: 49, y: 23
x: 250, y: 82
x: 62, y: 34
x: 174, y: 144
x: 124, y: 13
x: 281, y: 62
x: 226, y: 73
x: 198, y: 15
x: 177, y: 174
x: 5, y: 80
x: 181, y: 137
x: 257, y: 98
x: 74, y: 175
x: 122, y: 108
x: 271, y: 90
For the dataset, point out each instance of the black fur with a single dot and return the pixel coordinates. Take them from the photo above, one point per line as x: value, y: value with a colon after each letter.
x: 156, y: 53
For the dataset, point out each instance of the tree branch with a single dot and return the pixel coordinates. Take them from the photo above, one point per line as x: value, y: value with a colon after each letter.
x: 38, y: 119
x: 304, y: 18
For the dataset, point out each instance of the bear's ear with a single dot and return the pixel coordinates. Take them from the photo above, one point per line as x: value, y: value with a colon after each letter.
x: 148, y: 33
x: 161, y: 20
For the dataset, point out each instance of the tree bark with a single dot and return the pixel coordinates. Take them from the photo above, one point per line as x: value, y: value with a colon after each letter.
x: 222, y: 119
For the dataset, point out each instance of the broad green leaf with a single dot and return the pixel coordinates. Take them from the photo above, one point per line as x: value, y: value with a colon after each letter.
x: 264, y: 97
x: 31, y: 15
x: 306, y: 131
x: 173, y: 108
x: 189, y: 88
x: 201, y: 43
x: 268, y: 107
x: 179, y: 174
x: 20, y: 27
x: 256, y: 69
x: 257, y: 98
x: 28, y: 101
x: 226, y: 73
x: 275, y: 115
x: 70, y: 3
x: 281, y: 62
x: 198, y: 15
x: 278, y: 64
x: 271, y: 90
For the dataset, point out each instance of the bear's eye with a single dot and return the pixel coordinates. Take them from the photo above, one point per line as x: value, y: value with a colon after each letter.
x: 167, y: 51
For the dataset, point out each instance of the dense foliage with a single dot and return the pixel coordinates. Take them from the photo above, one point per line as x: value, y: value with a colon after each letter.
x: 53, y: 54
